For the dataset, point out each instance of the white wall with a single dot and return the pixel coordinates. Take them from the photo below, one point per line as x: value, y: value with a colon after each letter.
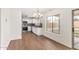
x: 10, y: 26
x: 0, y: 28
x: 65, y: 36
x: 5, y: 35
x: 15, y: 23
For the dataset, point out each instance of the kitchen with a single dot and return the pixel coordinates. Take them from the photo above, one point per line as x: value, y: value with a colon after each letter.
x: 32, y: 23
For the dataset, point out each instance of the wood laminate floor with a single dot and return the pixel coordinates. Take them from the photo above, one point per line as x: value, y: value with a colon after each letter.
x: 31, y: 41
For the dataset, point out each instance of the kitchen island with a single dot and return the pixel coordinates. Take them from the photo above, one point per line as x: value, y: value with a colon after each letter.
x: 36, y: 29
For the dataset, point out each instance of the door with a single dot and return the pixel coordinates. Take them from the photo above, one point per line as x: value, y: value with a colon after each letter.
x: 75, y: 28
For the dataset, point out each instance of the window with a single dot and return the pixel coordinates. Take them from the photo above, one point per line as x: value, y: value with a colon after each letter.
x: 53, y: 24
x: 56, y: 25
x: 49, y: 24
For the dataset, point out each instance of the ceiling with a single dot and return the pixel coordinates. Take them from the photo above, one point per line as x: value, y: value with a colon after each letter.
x: 31, y: 11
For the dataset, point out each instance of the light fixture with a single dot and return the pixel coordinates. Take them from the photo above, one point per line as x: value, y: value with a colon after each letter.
x: 37, y: 14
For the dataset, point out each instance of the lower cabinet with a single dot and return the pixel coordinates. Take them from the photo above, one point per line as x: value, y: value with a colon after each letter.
x: 37, y: 30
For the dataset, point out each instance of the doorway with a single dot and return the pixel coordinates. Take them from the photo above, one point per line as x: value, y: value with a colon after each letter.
x: 75, y: 28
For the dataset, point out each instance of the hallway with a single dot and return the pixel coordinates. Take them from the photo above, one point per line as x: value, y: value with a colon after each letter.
x: 31, y: 41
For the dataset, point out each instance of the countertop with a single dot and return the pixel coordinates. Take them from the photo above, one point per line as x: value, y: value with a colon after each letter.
x: 33, y: 25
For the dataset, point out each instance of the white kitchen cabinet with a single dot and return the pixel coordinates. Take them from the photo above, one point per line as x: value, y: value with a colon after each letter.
x: 29, y: 28
x: 37, y: 30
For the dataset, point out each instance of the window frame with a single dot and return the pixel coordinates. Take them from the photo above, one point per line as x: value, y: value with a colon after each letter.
x: 52, y: 24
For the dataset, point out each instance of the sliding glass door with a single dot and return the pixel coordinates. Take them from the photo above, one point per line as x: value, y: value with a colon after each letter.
x: 76, y: 28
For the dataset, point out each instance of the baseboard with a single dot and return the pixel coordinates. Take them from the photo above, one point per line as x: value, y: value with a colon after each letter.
x: 4, y: 47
